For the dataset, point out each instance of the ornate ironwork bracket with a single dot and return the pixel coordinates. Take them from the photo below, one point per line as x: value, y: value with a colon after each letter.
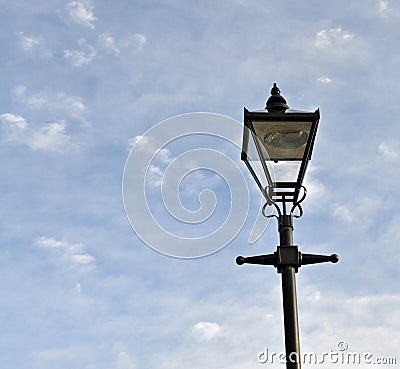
x: 274, y: 198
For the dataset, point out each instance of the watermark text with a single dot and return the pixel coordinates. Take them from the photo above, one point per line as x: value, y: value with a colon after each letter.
x: 341, y: 355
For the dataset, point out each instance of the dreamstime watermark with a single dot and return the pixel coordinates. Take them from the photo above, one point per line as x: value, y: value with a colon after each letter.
x: 174, y: 177
x: 341, y: 355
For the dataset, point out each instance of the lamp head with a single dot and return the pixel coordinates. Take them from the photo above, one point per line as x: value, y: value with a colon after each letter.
x: 281, y: 140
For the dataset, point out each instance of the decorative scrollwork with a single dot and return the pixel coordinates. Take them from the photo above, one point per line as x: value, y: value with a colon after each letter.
x: 297, y: 204
x: 270, y: 201
x: 268, y: 192
x: 271, y: 215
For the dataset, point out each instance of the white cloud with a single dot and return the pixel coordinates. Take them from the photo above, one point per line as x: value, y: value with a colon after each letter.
x: 361, y: 212
x: 74, y: 252
x: 164, y: 155
x: 81, y: 12
x: 14, y: 120
x: 32, y: 101
x: 206, y: 331
x: 332, y: 37
x: 318, y: 195
x: 343, y: 212
x: 12, y: 127
x: 34, y: 44
x: 147, y: 145
x: 125, y: 361
x: 383, y: 6
x: 55, y: 102
x: 50, y: 137
x: 83, y: 259
x: 324, y: 80
x: 155, y: 176
x: 133, y: 140
x: 81, y: 57
x: 29, y: 42
x: 109, y: 43
x: 137, y: 42
x: 388, y: 150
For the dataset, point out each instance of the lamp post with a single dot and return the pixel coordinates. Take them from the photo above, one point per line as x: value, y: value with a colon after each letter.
x: 277, y: 146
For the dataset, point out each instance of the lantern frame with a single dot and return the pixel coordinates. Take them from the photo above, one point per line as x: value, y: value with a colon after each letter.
x: 279, y: 114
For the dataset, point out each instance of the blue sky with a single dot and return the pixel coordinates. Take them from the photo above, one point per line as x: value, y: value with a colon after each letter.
x: 82, y: 79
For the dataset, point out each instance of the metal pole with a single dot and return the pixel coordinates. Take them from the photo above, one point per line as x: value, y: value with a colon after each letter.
x: 292, y: 341
x: 287, y: 259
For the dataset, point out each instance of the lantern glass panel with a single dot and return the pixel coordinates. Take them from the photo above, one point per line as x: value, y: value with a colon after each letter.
x: 286, y: 171
x: 254, y: 156
x: 283, y: 140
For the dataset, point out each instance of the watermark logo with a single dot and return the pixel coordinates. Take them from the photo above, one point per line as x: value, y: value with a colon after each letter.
x: 185, y: 192
x: 341, y: 355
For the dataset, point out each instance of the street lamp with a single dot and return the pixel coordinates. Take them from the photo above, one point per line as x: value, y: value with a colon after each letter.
x: 277, y: 146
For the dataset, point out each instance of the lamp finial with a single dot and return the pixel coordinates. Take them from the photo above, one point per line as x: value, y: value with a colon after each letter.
x: 276, y: 101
